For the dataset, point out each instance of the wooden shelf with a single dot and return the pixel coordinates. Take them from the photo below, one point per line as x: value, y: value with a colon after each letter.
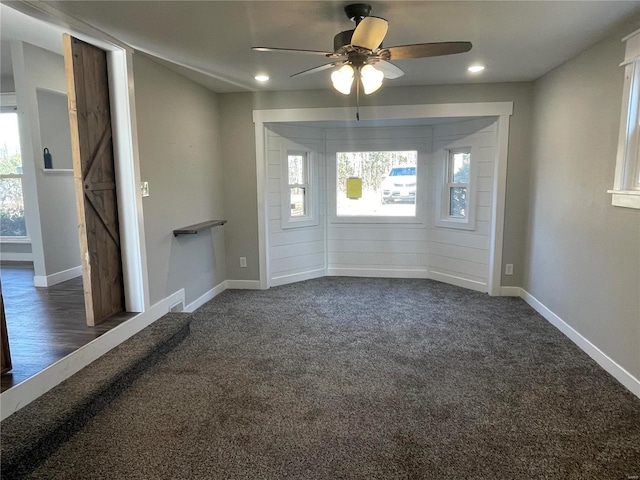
x: 58, y: 171
x: 193, y: 229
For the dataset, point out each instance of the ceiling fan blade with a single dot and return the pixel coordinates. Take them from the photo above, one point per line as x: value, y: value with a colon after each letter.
x: 294, y: 50
x: 389, y: 69
x: 317, y: 69
x: 422, y: 50
x: 369, y: 33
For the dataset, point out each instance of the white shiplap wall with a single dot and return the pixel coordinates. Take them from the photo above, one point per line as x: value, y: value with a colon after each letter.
x: 456, y: 256
x: 375, y: 246
x: 402, y: 248
x: 295, y: 253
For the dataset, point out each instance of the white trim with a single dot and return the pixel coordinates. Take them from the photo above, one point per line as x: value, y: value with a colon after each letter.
x: 263, y: 204
x: 24, y: 393
x: 458, y: 281
x: 15, y: 240
x: 440, y: 110
x: 243, y: 285
x: 57, y: 171
x: 618, y: 372
x: 127, y: 166
x: 625, y: 198
x: 16, y: 256
x: 205, y: 297
x: 510, y: 292
x: 498, y: 206
x: 58, y: 277
x: 377, y: 272
x: 298, y: 277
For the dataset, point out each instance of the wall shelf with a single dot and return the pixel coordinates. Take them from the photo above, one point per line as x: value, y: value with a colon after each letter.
x: 58, y: 171
x: 193, y: 229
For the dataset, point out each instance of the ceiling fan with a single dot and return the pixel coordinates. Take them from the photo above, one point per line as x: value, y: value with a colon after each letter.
x: 358, y: 54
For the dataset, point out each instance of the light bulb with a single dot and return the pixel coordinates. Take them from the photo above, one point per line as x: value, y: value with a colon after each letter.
x: 342, y: 79
x: 371, y: 78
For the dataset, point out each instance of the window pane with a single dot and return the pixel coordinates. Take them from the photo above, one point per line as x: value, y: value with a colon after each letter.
x: 12, y: 222
x: 298, y: 202
x: 388, y: 183
x: 458, y: 202
x: 460, y: 167
x: 297, y: 167
x: 10, y: 159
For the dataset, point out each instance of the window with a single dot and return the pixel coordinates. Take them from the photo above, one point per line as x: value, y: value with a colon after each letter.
x: 456, y: 206
x: 298, y: 208
x: 376, y: 184
x: 458, y: 166
x: 298, y: 170
x: 626, y: 188
x: 12, y: 220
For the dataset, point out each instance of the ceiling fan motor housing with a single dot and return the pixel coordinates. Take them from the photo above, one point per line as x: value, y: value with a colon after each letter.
x: 357, y: 11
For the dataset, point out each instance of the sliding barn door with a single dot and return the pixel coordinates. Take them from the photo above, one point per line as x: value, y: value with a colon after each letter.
x: 94, y: 175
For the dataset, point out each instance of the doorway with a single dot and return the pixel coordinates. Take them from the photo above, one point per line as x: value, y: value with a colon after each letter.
x: 35, y: 251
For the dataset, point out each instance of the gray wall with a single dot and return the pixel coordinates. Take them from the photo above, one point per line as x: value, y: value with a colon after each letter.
x: 179, y: 146
x: 56, y: 192
x: 49, y: 199
x: 583, y: 255
x: 240, y: 163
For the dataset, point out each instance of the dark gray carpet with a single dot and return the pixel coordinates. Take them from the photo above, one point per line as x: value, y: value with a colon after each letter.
x: 342, y: 378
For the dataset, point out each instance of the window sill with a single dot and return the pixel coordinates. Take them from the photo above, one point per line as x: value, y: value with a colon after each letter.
x: 15, y: 240
x: 58, y: 171
x: 457, y: 224
x: 625, y: 198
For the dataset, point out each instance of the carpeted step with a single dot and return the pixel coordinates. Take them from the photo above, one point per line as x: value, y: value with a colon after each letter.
x: 32, y: 433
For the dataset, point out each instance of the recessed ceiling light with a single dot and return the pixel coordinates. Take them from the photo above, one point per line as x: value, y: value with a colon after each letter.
x: 262, y: 78
x: 475, y: 68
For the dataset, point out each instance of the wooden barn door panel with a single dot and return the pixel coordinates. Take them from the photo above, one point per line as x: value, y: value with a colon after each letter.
x: 94, y: 176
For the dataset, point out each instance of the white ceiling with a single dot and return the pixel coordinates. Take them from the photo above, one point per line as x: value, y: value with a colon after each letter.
x: 210, y: 41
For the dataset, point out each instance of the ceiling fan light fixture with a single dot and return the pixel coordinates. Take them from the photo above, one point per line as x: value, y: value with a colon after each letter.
x: 476, y: 68
x: 262, y: 77
x: 342, y: 79
x: 371, y: 78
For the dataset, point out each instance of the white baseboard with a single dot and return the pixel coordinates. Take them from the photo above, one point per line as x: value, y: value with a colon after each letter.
x: 204, y: 298
x: 242, y: 284
x: 376, y: 272
x: 24, y: 393
x: 618, y: 372
x: 58, y: 277
x: 510, y: 292
x: 459, y: 281
x: 16, y: 256
x: 297, y: 277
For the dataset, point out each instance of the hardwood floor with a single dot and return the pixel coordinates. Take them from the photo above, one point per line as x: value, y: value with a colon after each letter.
x: 44, y: 324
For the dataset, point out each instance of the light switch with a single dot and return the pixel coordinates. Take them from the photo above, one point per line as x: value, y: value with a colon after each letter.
x: 145, y: 189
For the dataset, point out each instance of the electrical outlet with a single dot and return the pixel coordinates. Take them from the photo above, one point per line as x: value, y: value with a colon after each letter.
x: 145, y: 189
x: 243, y: 262
x: 508, y: 269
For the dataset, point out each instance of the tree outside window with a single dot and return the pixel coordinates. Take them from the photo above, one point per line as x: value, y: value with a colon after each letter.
x: 12, y: 220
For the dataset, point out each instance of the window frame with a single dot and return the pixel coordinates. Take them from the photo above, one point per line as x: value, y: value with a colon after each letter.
x: 8, y: 104
x: 626, y: 186
x: 443, y: 209
x: 385, y: 142
x: 310, y: 218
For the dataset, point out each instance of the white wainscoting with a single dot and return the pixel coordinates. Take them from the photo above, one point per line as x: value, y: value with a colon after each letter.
x: 295, y: 253
x: 462, y: 256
